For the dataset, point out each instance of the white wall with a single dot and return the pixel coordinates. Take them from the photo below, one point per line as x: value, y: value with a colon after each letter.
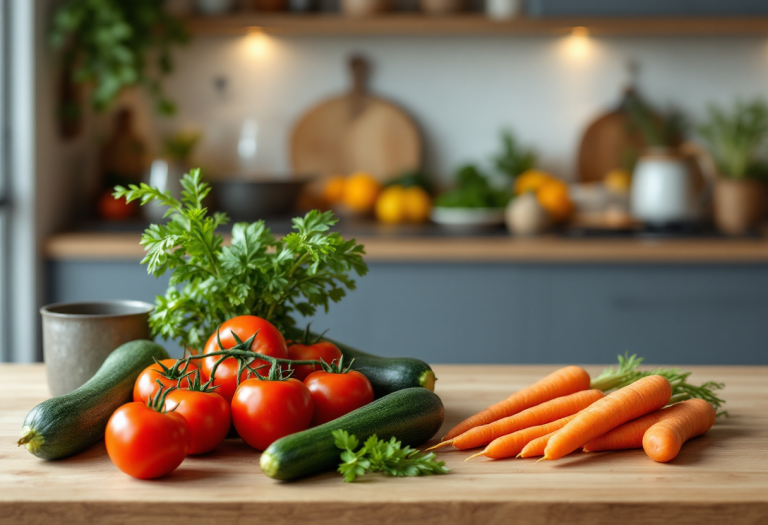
x: 461, y: 90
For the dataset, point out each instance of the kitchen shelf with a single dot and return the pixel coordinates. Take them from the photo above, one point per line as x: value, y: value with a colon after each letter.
x: 87, y: 246
x: 471, y: 24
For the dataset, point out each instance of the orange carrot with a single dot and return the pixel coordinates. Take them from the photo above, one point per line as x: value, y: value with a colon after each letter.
x: 536, y: 447
x: 538, y: 415
x: 663, y: 440
x: 510, y: 445
x: 630, y: 435
x: 641, y: 397
x: 560, y: 383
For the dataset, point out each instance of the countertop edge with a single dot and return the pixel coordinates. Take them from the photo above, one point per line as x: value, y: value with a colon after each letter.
x: 126, y: 247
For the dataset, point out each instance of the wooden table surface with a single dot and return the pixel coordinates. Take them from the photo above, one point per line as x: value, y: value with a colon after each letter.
x: 721, y: 477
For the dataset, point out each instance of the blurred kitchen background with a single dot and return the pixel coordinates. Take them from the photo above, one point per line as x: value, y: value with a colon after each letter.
x: 540, y: 181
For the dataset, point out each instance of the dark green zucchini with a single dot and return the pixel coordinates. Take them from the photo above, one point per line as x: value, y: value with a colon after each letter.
x: 412, y: 415
x: 386, y: 374
x: 68, y: 424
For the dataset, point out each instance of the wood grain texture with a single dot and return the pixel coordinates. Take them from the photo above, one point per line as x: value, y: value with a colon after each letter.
x: 355, y: 132
x: 473, y: 24
x: 125, y: 246
x: 721, y: 477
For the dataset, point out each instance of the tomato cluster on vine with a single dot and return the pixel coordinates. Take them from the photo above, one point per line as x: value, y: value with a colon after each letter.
x: 249, y: 378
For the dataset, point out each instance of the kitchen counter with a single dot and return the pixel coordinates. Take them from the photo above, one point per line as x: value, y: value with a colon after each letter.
x: 721, y: 477
x: 388, y: 245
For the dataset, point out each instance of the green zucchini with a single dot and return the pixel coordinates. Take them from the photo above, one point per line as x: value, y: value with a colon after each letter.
x: 68, y: 424
x: 412, y: 415
x: 389, y: 374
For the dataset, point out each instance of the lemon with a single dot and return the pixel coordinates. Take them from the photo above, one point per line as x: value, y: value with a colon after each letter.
x: 618, y: 181
x: 416, y: 204
x: 390, y: 207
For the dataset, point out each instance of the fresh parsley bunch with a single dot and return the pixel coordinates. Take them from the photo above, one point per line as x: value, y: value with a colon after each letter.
x: 256, y: 275
x: 388, y: 457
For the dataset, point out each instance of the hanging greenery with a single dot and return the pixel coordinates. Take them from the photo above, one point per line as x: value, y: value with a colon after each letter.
x: 113, y: 44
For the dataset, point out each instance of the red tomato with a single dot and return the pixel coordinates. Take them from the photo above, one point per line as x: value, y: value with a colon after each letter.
x: 336, y: 394
x: 146, y: 385
x: 269, y: 342
x: 264, y: 411
x: 145, y: 443
x: 112, y: 209
x: 208, y: 415
x: 329, y: 352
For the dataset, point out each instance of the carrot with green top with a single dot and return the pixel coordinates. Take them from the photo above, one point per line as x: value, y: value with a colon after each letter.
x: 662, y: 442
x: 510, y: 445
x: 630, y: 434
x: 544, y: 413
x: 641, y: 397
x: 562, y: 382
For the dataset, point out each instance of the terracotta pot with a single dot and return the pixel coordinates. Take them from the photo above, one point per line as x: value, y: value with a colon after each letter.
x: 441, y: 7
x: 739, y: 205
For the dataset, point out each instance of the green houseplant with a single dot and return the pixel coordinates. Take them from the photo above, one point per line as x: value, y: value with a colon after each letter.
x: 736, y: 138
x: 113, y: 44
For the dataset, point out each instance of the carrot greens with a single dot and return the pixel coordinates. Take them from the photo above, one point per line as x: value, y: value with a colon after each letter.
x: 257, y: 274
x: 626, y: 373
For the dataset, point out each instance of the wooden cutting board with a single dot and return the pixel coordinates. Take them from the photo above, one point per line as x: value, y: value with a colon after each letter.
x: 608, y: 143
x: 355, y: 132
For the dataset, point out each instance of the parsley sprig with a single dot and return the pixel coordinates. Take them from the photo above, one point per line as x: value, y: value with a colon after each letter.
x: 388, y: 457
x: 257, y: 274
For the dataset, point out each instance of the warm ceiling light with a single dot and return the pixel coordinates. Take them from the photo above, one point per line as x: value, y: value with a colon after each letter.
x: 577, y: 46
x: 256, y: 41
x: 580, y: 31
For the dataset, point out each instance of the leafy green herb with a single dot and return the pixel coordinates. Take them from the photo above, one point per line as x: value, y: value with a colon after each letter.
x: 657, y: 129
x: 737, y: 138
x: 514, y: 159
x: 473, y: 190
x: 626, y: 373
x: 257, y: 274
x: 109, y: 43
x: 388, y: 457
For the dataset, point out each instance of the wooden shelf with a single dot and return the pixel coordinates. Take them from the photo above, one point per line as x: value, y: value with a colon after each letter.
x: 125, y: 246
x: 472, y: 24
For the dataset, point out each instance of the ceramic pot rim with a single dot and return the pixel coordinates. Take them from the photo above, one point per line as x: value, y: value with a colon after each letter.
x: 131, y: 308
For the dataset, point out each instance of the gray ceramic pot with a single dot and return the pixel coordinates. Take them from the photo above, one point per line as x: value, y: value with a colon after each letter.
x: 78, y: 337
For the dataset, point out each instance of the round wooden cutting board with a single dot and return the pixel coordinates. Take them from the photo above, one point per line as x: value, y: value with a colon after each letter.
x: 608, y: 143
x: 355, y: 132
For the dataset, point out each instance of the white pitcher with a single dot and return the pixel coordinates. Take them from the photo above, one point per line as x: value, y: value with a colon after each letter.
x: 663, y: 189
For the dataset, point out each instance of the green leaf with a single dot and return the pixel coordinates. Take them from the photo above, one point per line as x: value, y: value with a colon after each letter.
x: 388, y: 457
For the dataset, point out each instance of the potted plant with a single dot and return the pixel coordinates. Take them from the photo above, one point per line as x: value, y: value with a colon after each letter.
x: 736, y: 139
x: 113, y: 44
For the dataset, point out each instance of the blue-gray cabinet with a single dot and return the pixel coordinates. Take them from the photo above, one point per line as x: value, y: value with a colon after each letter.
x: 515, y: 313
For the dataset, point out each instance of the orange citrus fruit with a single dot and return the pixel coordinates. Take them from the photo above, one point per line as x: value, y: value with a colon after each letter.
x: 553, y: 197
x: 417, y: 204
x: 333, y: 190
x: 531, y: 180
x: 361, y: 191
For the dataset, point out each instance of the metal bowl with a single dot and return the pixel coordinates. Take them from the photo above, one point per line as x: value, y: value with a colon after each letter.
x: 251, y: 200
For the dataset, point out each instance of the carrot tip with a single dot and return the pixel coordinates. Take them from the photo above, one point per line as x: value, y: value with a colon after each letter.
x: 441, y: 445
x: 540, y: 460
x: 520, y: 455
x: 478, y: 454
